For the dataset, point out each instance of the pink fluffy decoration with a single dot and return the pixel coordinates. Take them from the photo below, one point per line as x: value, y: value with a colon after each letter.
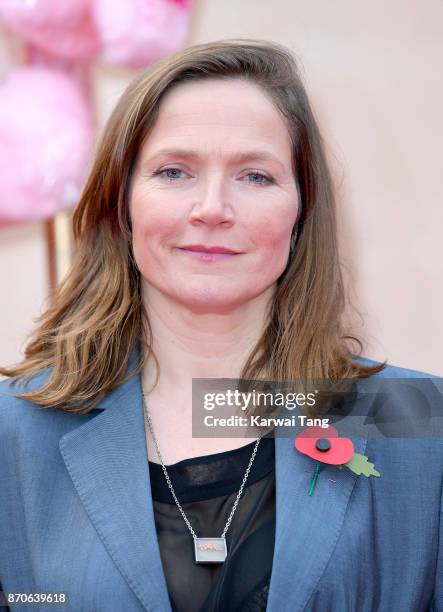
x: 135, y: 33
x: 60, y: 27
x: 46, y: 139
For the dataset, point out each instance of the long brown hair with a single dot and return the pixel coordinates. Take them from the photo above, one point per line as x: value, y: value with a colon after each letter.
x: 96, y: 316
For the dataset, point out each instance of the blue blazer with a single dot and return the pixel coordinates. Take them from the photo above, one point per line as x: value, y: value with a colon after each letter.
x: 76, y: 515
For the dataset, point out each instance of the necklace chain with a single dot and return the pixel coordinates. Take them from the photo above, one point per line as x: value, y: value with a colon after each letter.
x: 168, y: 480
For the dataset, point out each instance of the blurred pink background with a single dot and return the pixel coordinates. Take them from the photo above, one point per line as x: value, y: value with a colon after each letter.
x: 373, y: 73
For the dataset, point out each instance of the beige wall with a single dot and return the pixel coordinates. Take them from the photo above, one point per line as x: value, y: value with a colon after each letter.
x: 373, y: 74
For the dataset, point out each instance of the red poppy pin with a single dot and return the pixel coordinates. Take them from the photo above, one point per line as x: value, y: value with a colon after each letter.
x: 326, y: 446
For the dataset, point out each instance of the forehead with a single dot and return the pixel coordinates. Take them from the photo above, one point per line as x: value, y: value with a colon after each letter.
x: 218, y: 114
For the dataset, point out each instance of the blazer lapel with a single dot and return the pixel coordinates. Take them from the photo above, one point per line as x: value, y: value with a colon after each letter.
x: 307, y: 527
x: 107, y: 461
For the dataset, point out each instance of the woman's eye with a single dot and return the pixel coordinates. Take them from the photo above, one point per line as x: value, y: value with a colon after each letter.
x: 266, y: 180
x: 172, y: 176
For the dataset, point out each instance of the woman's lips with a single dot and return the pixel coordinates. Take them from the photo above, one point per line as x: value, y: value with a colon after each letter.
x: 205, y: 256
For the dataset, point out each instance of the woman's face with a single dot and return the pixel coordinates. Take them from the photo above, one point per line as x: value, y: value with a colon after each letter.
x: 215, y: 171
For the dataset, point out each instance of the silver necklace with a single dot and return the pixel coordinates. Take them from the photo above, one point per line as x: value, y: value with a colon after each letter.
x: 206, y: 550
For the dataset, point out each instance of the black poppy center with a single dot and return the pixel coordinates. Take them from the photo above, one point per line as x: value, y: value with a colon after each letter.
x: 323, y: 444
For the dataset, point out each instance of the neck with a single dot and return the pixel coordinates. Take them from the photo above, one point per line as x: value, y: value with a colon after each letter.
x: 190, y: 345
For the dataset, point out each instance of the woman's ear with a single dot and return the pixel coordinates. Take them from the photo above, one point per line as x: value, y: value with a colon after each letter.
x: 293, y: 238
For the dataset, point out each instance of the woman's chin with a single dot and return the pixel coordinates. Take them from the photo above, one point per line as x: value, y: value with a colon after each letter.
x: 202, y: 301
x: 211, y: 306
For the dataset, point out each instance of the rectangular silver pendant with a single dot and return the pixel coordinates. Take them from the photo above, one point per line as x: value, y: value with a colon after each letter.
x: 210, y: 550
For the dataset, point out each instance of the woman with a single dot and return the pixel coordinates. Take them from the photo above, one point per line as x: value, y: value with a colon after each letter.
x: 206, y: 248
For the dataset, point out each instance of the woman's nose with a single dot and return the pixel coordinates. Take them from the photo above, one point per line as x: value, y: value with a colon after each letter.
x: 212, y: 205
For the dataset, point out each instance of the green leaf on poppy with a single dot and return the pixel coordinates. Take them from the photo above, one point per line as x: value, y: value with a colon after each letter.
x: 359, y: 464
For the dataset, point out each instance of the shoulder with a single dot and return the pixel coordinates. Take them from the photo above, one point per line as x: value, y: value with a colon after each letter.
x: 24, y: 423
x: 13, y: 407
x: 400, y: 394
x: 30, y: 434
x: 393, y: 371
x: 405, y: 423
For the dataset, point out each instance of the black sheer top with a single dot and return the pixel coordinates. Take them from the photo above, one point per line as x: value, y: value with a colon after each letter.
x: 206, y: 488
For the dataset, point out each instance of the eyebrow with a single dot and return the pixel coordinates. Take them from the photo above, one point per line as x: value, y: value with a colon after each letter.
x: 242, y: 156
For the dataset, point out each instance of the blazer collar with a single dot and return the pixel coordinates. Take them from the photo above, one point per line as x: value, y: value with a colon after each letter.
x: 106, y: 458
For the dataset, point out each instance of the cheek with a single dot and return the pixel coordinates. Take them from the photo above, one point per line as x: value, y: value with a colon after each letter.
x: 149, y: 219
x: 271, y: 237
x: 273, y: 223
x: 272, y: 233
